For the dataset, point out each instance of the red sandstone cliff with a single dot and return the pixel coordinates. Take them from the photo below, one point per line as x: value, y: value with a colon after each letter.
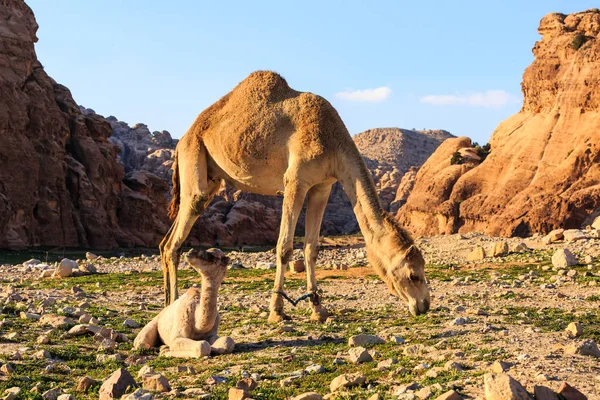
x: 544, y: 168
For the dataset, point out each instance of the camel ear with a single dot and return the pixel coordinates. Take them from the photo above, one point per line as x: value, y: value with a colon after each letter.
x: 206, y: 256
x: 225, y: 260
x: 412, y: 251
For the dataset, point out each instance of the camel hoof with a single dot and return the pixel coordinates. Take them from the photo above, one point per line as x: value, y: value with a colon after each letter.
x: 276, y: 317
x: 319, y: 315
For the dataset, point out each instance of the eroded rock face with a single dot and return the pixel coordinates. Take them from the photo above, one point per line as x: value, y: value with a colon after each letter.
x: 544, y: 166
x: 60, y: 182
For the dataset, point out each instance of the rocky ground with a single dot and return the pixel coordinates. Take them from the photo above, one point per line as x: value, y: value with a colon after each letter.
x: 508, y: 314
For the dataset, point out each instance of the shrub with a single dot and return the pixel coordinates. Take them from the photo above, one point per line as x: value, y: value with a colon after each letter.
x: 456, y: 158
x: 578, y: 41
x: 482, y: 151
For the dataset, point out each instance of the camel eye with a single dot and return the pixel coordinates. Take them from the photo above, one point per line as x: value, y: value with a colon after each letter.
x: 413, y: 277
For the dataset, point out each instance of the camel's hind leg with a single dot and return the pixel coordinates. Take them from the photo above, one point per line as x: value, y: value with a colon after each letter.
x: 293, y: 199
x: 196, y: 191
x: 318, y: 196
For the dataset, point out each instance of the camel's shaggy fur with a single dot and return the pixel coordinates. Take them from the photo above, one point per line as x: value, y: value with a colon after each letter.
x: 266, y: 138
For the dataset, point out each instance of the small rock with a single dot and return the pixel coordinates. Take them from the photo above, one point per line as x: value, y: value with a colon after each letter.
x: 500, y: 249
x: 563, y: 258
x: 477, y: 254
x: 65, y: 268
x: 365, y: 340
x: 42, y: 339
x: 139, y: 394
x: 51, y: 394
x: 129, y: 323
x: 574, y: 329
x: 155, y: 383
x: 223, y: 345
x: 297, y: 266
x: 554, y: 236
x: 544, y: 393
x: 359, y: 355
x: 570, y: 393
x: 347, y: 380
x: 247, y: 384
x: 237, y: 394
x: 449, y: 395
x: 499, y: 367
x: 586, y: 347
x: 65, y: 396
x: 12, y: 393
x: 116, y: 385
x: 503, y: 387
x: 86, y: 383
x: 308, y: 396
x: 90, y: 256
x: 573, y: 235
x: 7, y: 368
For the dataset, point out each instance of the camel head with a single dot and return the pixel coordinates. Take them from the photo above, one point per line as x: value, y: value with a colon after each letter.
x: 211, y: 263
x: 402, y: 267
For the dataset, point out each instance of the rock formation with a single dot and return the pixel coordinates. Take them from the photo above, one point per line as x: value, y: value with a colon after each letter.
x: 543, y: 171
x: 60, y: 183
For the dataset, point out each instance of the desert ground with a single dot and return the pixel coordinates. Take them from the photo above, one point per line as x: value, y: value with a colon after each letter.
x: 501, y: 313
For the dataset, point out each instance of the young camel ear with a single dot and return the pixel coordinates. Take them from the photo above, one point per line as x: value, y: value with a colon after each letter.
x: 413, y: 252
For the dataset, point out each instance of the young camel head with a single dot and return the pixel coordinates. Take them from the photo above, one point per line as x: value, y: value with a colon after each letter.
x: 401, y: 266
x: 211, y: 263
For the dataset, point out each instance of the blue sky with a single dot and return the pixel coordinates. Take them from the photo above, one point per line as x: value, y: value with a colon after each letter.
x: 454, y: 65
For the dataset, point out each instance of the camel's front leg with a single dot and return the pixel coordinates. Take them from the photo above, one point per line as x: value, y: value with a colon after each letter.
x: 187, y: 348
x: 293, y: 198
x: 317, y: 201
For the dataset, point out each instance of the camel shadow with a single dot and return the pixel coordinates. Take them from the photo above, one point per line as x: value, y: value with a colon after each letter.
x: 258, y: 346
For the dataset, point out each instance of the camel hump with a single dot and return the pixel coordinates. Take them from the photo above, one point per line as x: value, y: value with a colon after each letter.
x: 264, y: 85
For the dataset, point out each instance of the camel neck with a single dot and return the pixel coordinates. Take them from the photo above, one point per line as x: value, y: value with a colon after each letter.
x: 206, y: 311
x: 355, y: 177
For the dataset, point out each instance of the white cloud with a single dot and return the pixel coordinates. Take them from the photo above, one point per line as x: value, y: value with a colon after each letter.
x: 488, y: 99
x: 369, y: 95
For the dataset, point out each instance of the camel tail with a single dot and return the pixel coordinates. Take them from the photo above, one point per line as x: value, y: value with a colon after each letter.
x: 175, y: 192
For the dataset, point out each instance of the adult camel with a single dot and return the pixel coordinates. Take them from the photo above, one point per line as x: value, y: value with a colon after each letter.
x: 266, y: 138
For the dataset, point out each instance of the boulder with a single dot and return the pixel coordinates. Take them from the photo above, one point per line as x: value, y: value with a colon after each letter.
x: 223, y: 345
x: 65, y: 268
x: 544, y: 393
x: 155, y: 383
x: 500, y: 249
x: 359, y: 355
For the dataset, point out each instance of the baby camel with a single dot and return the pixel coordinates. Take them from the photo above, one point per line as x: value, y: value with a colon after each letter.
x: 189, y: 325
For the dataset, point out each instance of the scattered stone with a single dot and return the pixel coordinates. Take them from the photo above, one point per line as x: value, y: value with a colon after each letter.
x: 65, y: 396
x: 65, y: 268
x: 7, y: 368
x: 139, y: 394
x: 365, y: 340
x: 297, y: 266
x: 116, y: 385
x: 223, y: 345
x: 155, y: 383
x: 347, y: 380
x: 586, y: 347
x: 573, y: 235
x: 519, y: 248
x: 85, y: 384
x: 500, y: 249
x: 315, y: 369
x: 359, y: 355
x: 554, y: 236
x: 570, y: 393
x: 563, y: 258
x: 574, y: 329
x: 90, y: 256
x: 308, y: 396
x: 56, y: 321
x: 129, y: 323
x: 51, y: 394
x: 477, y: 254
x: 237, y: 394
x: 449, y: 395
x: 12, y: 393
x: 424, y: 393
x: 503, y: 387
x: 42, y: 354
x: 42, y: 339
x: 265, y: 265
x: 544, y: 393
